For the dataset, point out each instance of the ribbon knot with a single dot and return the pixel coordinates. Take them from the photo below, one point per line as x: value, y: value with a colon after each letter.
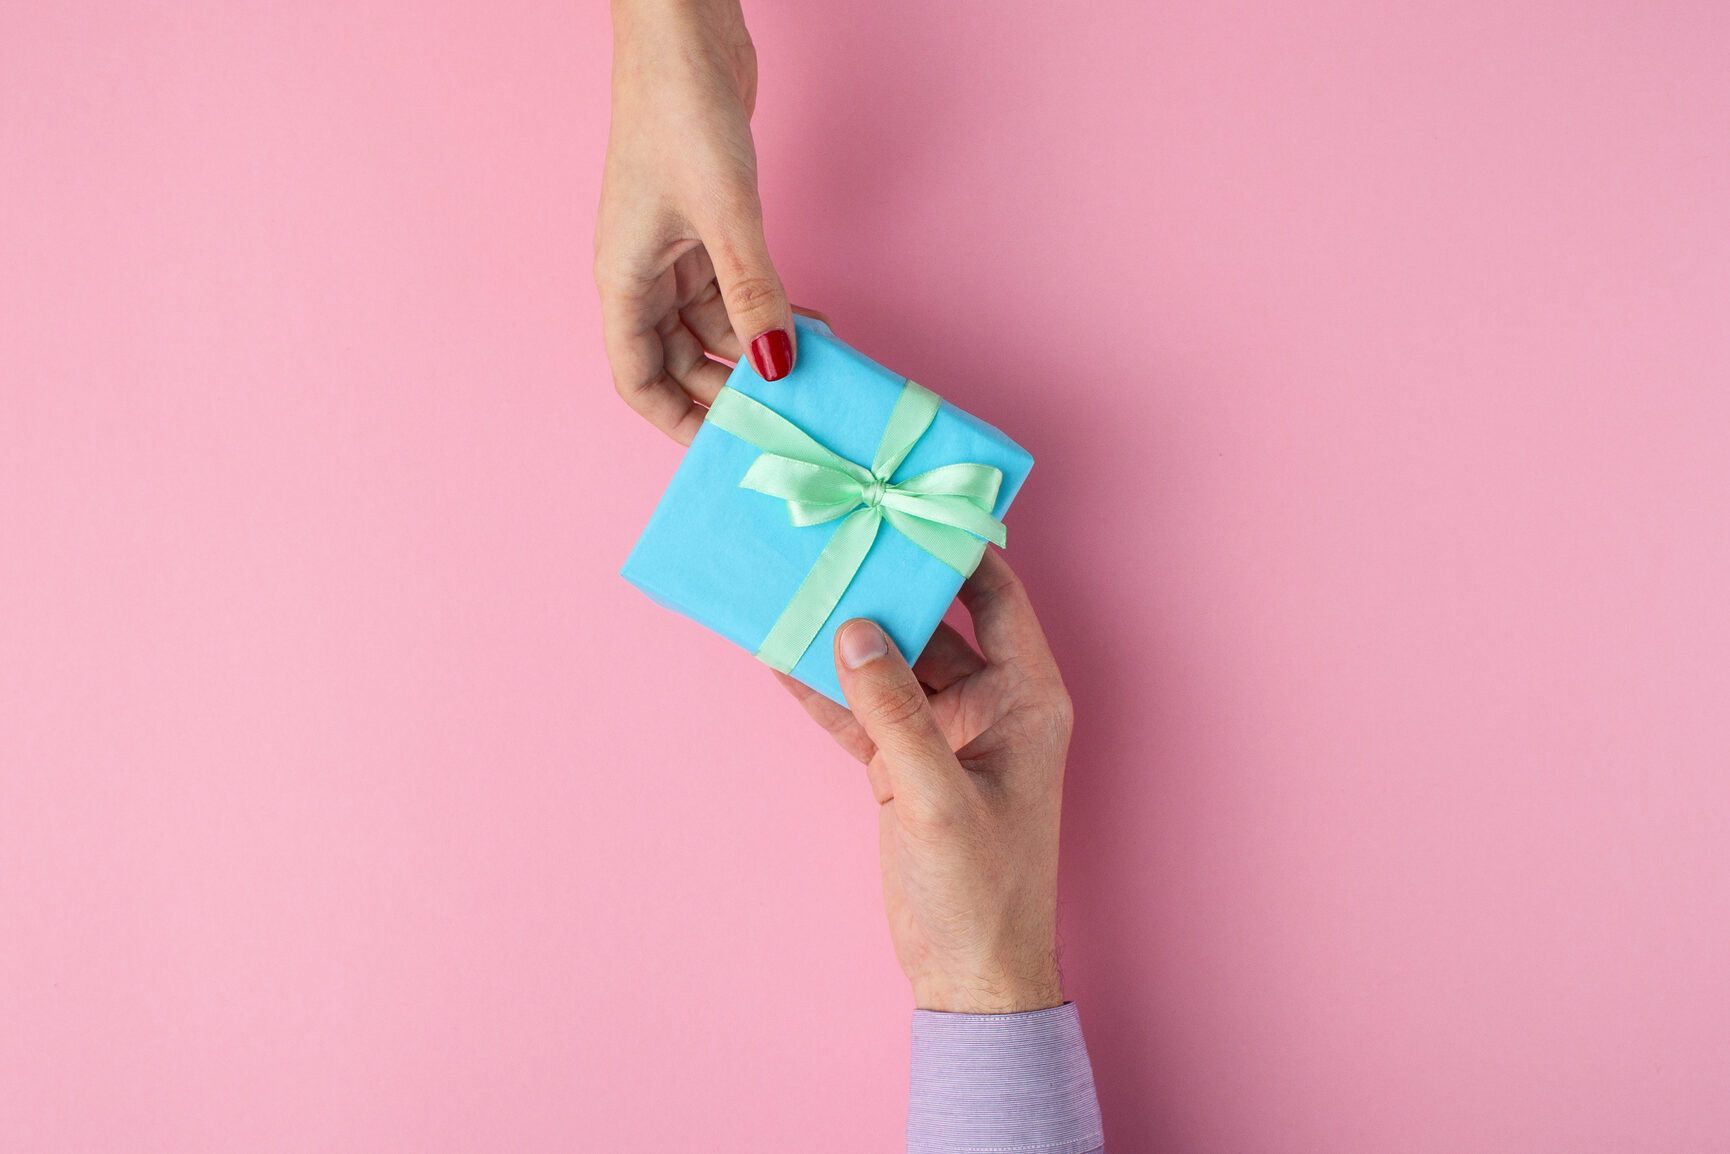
x: 945, y: 511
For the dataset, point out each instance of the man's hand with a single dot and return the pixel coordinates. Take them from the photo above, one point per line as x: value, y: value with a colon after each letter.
x: 680, y: 258
x: 965, y: 755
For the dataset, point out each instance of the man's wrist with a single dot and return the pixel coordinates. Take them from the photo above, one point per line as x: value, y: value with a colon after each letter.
x: 989, y: 990
x: 680, y: 34
x: 687, y: 10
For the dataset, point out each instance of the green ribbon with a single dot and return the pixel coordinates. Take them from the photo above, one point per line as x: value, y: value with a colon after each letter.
x: 946, y: 511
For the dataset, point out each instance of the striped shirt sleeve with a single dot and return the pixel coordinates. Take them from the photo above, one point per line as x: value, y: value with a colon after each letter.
x: 1002, y: 1084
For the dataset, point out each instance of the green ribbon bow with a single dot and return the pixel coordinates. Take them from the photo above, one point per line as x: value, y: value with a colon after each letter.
x: 946, y: 511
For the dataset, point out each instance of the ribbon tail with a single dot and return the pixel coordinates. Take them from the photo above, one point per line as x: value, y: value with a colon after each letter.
x: 820, y: 592
x: 954, y: 547
x: 950, y: 512
x: 977, y: 483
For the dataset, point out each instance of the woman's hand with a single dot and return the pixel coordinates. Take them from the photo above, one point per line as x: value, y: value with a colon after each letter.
x: 969, y: 838
x: 680, y: 258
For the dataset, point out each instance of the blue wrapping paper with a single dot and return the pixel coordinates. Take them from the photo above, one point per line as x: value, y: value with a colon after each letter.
x: 730, y: 558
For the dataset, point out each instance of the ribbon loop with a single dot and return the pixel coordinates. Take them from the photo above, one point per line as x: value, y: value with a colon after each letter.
x: 945, y: 511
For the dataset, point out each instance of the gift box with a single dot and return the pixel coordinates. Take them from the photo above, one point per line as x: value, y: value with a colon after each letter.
x: 842, y: 490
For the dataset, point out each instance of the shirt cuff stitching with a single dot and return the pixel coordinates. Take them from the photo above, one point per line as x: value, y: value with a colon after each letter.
x: 1078, y: 1145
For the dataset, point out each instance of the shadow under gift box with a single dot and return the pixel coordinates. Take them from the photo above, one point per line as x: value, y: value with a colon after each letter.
x: 731, y: 558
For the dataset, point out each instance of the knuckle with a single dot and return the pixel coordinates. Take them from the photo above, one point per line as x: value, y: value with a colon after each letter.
x: 893, y: 706
x: 897, y: 701
x: 753, y: 296
x: 1062, y: 708
x: 1044, y: 705
x: 611, y: 278
x: 639, y: 394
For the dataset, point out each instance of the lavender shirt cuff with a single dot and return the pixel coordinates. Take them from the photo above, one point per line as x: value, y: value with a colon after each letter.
x: 1003, y: 1084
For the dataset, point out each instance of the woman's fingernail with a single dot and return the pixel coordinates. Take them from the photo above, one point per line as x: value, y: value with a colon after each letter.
x: 861, y: 643
x: 772, y: 354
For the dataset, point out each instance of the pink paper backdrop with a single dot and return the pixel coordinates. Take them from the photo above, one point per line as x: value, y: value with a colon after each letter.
x: 350, y: 802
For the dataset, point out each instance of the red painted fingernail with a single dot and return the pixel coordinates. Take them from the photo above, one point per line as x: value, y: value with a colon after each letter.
x: 772, y: 354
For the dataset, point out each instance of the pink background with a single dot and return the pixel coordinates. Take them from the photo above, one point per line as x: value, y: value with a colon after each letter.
x: 349, y: 801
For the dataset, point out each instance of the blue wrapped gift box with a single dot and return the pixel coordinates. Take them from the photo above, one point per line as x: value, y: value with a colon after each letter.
x: 731, y: 558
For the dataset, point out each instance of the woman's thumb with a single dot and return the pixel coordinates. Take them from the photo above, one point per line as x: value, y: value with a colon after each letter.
x: 751, y: 290
x: 889, y: 703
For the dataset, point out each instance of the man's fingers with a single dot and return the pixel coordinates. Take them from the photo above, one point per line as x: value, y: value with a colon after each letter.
x: 890, y: 706
x: 947, y: 659
x: 756, y: 303
x: 1003, y: 617
x: 836, y: 721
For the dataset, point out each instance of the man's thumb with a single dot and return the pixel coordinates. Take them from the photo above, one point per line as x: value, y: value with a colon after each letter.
x: 889, y: 703
x: 756, y: 302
